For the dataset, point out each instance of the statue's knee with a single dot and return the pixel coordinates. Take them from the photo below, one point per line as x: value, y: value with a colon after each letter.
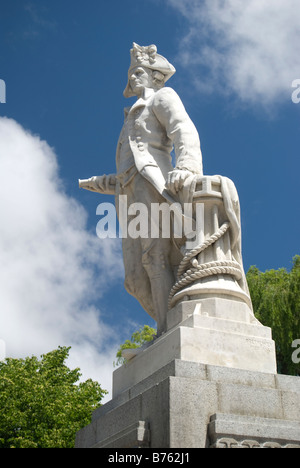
x: 129, y: 285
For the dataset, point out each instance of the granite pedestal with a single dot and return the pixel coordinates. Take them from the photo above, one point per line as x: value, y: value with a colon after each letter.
x: 209, y: 382
x: 190, y: 405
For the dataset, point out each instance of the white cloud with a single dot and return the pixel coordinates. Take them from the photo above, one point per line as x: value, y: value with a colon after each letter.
x: 250, y: 49
x: 52, y: 270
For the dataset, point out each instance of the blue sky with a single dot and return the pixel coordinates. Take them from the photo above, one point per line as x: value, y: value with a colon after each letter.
x: 65, y: 67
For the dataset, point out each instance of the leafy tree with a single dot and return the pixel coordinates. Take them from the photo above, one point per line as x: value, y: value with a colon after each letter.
x: 276, y: 301
x: 143, y: 335
x: 42, y: 405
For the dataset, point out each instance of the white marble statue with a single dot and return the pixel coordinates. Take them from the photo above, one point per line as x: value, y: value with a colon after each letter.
x: 159, y: 272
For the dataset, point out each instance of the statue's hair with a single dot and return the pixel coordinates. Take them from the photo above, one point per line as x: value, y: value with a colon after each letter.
x: 158, y: 79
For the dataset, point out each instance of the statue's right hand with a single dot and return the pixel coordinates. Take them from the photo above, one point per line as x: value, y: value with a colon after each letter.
x: 101, y: 184
x: 88, y: 184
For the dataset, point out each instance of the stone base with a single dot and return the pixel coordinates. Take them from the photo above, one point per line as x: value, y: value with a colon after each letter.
x: 192, y: 405
x: 217, y: 331
x: 209, y: 381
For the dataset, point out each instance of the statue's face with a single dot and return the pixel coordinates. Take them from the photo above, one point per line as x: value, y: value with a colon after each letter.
x: 139, y: 79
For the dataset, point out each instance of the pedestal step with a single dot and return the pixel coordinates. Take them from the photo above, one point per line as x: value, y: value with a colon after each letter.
x: 218, y: 332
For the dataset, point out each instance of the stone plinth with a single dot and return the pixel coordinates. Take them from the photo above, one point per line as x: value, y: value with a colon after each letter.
x: 209, y: 381
x: 192, y: 405
x: 217, y: 331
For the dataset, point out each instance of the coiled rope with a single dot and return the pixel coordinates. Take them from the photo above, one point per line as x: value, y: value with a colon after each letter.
x: 225, y: 267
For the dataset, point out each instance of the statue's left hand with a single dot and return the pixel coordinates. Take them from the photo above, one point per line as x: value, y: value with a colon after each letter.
x: 176, y: 179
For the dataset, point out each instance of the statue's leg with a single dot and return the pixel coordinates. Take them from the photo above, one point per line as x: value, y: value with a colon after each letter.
x: 137, y: 282
x: 149, y: 274
x: 156, y: 261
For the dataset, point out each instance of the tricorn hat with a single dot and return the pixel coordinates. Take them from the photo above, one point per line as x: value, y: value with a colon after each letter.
x: 148, y: 57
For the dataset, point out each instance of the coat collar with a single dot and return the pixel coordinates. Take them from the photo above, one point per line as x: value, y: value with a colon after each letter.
x: 148, y: 93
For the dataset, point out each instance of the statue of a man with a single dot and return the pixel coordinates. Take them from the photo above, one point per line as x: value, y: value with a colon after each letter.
x: 154, y: 126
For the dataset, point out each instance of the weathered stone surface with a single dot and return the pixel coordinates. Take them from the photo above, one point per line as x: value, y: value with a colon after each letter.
x: 208, y: 335
x: 188, y: 405
x: 232, y: 431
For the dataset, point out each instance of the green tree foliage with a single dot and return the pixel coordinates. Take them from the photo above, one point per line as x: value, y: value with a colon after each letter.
x: 276, y: 301
x: 143, y: 335
x: 42, y: 405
